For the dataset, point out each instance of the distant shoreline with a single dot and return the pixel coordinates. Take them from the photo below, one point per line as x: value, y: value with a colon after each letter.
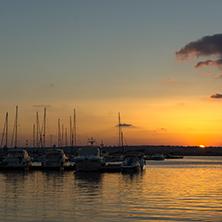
x: 146, y: 149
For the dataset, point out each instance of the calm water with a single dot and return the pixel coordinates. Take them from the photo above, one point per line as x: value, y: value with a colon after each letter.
x: 189, y: 189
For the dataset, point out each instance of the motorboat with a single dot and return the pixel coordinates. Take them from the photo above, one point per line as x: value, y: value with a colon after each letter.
x: 174, y: 155
x: 54, y: 158
x: 89, y: 158
x: 130, y: 164
x: 158, y: 156
x: 16, y: 157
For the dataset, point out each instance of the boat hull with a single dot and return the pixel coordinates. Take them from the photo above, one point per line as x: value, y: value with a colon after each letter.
x: 88, y: 165
x: 133, y: 168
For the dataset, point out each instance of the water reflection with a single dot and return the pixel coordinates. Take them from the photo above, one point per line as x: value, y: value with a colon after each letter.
x: 88, y: 185
x: 167, y: 191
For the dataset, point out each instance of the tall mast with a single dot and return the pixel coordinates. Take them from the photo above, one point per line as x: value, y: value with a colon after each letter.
x: 71, y: 131
x: 75, y: 127
x: 5, y: 132
x: 16, y: 125
x: 119, y: 131
x: 33, y: 135
x: 65, y: 137
x: 58, y: 132
x: 62, y: 135
x: 44, y: 127
x: 37, y: 129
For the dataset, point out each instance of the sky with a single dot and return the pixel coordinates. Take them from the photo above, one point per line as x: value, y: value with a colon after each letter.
x: 157, y: 63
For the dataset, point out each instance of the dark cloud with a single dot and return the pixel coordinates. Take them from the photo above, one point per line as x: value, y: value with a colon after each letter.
x: 206, y: 46
x: 124, y: 125
x: 216, y: 96
x: 216, y: 63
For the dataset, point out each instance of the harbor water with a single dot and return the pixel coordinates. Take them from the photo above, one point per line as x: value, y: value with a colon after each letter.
x: 188, y: 189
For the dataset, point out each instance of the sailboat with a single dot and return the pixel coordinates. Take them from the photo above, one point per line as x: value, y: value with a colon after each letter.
x: 16, y: 157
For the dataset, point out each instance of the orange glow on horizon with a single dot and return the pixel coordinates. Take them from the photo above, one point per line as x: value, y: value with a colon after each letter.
x: 202, y: 146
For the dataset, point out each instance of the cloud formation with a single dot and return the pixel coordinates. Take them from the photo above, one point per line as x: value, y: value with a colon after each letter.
x: 216, y: 96
x: 206, y: 46
x: 207, y: 73
x: 124, y: 125
x: 215, y: 63
x: 218, y: 75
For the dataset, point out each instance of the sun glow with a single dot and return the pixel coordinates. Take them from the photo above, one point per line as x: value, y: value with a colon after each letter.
x: 201, y: 146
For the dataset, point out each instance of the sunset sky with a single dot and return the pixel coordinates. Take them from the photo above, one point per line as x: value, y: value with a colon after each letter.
x: 157, y: 63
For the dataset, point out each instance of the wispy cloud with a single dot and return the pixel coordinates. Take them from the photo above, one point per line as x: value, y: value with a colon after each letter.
x: 218, y: 75
x: 216, y: 96
x: 170, y: 80
x: 160, y: 130
x: 206, y: 46
x: 125, y: 125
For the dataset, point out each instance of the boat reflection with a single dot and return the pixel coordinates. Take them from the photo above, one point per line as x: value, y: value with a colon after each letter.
x: 89, y: 177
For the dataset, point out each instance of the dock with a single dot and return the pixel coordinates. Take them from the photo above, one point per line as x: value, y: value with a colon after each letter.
x: 107, y: 168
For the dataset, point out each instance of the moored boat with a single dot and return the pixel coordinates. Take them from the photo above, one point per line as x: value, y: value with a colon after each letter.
x: 54, y: 158
x: 158, y: 156
x: 89, y: 158
x: 16, y: 158
x: 130, y: 164
x: 174, y: 155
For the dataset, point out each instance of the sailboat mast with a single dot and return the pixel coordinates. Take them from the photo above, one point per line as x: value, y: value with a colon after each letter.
x: 37, y: 129
x: 119, y: 130
x: 75, y: 127
x: 44, y: 127
x: 58, y: 132
x: 65, y: 137
x: 62, y: 143
x: 70, y: 131
x: 16, y: 125
x: 33, y: 135
x: 6, y: 133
